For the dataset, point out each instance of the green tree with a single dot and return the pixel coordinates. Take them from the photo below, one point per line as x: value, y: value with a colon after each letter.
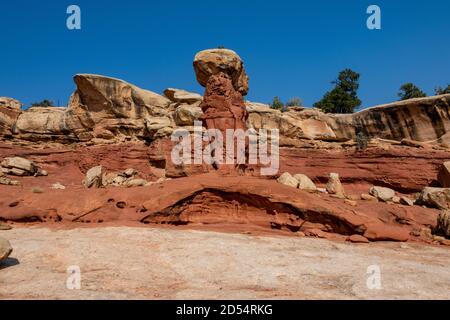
x: 440, y: 90
x: 44, y: 103
x: 294, y: 102
x: 344, y: 97
x: 277, y: 104
x: 410, y: 91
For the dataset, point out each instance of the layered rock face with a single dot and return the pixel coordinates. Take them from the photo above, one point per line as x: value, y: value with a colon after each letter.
x: 422, y: 119
x: 105, y: 109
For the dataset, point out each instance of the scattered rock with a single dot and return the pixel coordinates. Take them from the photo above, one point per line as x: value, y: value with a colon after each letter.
x: 435, y: 197
x: 136, y: 183
x: 382, y: 193
x: 7, y: 181
x: 368, y: 197
x: 407, y: 201
x: 5, y: 249
x: 352, y: 203
x: 334, y: 186
x: 4, y: 226
x: 444, y: 175
x: 288, y: 180
x: 305, y: 183
x: 94, y: 177
x: 443, y: 224
x: 322, y: 190
x: 58, y: 186
x: 130, y: 172
x: 37, y: 190
x: 356, y: 238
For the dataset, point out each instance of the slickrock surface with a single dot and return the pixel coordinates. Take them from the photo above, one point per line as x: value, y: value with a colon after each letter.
x: 192, y: 264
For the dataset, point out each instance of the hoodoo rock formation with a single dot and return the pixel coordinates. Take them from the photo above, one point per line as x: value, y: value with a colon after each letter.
x: 322, y: 188
x: 223, y: 105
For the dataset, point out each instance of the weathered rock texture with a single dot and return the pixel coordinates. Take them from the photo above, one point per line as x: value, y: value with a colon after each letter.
x: 214, y: 61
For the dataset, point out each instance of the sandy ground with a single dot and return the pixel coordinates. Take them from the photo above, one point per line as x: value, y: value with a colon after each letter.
x: 155, y: 263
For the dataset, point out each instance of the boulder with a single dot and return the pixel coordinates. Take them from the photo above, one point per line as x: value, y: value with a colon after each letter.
x: 383, y: 194
x: 305, y: 183
x: 356, y: 238
x: 334, y: 186
x: 368, y: 197
x: 94, y: 177
x: 10, y: 109
x: 435, y: 197
x: 182, y: 96
x: 214, y: 61
x: 444, y: 175
x: 5, y: 249
x: 19, y: 166
x: 185, y: 114
x: 288, y: 180
x: 443, y: 224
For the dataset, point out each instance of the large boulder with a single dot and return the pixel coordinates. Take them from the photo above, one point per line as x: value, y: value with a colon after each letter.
x: 305, y: 183
x: 288, y: 180
x: 444, y: 175
x: 43, y: 123
x: 5, y: 249
x: 435, y: 197
x: 19, y: 166
x: 334, y: 186
x: 383, y: 194
x: 214, y: 61
x: 182, y: 96
x: 94, y: 177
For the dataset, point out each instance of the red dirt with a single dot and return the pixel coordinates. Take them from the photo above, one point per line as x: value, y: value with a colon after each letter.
x: 225, y: 202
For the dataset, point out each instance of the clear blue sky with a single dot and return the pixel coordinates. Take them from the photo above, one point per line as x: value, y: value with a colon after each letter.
x: 290, y: 48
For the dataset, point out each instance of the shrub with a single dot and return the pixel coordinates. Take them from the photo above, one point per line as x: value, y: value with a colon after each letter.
x: 294, y: 102
x: 410, y: 91
x: 44, y: 103
x: 343, y: 98
x: 277, y: 104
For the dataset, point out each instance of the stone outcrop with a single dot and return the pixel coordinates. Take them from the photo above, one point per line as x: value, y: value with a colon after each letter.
x: 223, y: 75
x: 9, y: 112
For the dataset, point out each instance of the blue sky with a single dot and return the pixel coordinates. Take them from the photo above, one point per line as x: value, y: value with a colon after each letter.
x: 290, y: 48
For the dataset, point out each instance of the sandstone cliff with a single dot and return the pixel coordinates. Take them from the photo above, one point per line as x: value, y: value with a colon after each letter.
x: 105, y: 110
